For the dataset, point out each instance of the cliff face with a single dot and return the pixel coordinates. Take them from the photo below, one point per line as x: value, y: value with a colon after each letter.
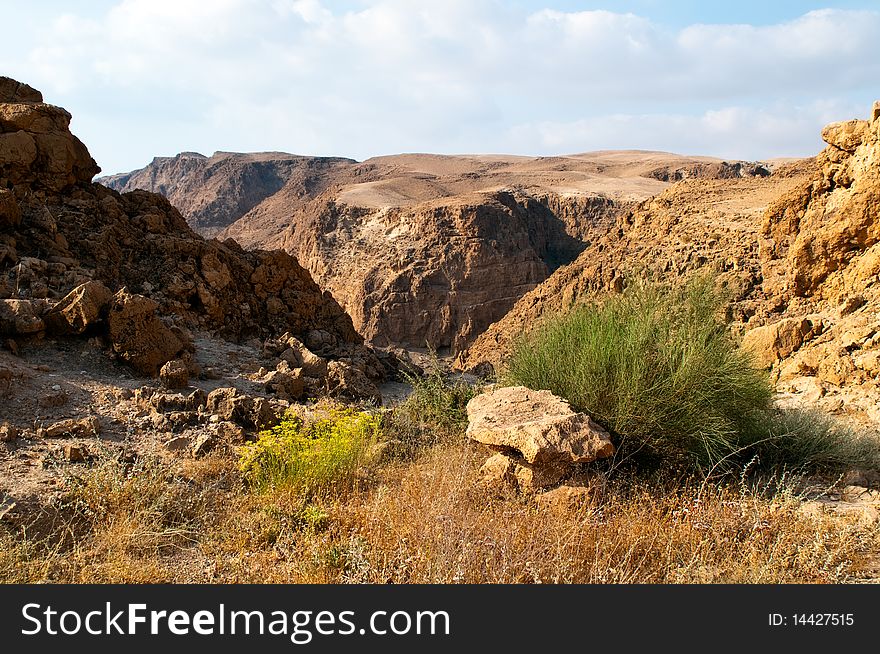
x: 213, y: 192
x: 692, y: 225
x: 59, y: 230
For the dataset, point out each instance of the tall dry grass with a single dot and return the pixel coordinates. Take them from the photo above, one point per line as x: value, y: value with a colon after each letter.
x: 430, y: 521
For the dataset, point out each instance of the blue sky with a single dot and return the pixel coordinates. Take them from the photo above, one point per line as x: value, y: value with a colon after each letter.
x: 361, y: 78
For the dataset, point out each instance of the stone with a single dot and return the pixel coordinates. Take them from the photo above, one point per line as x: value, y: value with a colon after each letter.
x: 72, y: 428
x: 244, y: 410
x: 8, y: 432
x: 177, y: 444
x: 74, y: 453
x: 285, y: 382
x: 173, y: 402
x: 299, y: 356
x: 203, y: 444
x: 565, y: 499
x: 174, y: 374
x: 229, y: 432
x: 137, y: 334
x: 504, y: 471
x: 346, y: 382
x: 10, y: 214
x: 79, y: 309
x: 539, y: 426
x: 770, y: 343
x: 846, y: 135
x: 20, y: 318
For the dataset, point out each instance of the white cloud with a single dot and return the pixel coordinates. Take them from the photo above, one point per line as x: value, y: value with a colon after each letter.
x: 460, y: 75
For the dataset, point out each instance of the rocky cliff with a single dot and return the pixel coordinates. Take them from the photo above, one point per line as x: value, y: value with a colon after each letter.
x: 58, y: 231
x: 213, y: 192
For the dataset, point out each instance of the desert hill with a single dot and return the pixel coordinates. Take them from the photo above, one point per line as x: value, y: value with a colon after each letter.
x: 425, y: 249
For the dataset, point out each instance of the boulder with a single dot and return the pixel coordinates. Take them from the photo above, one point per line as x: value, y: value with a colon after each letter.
x: 138, y: 336
x: 230, y: 405
x: 174, y: 374
x: 79, y: 309
x: 8, y: 432
x: 846, y: 135
x: 344, y: 381
x: 508, y: 471
x: 10, y: 214
x: 72, y: 428
x: 285, y: 382
x: 299, y: 356
x: 20, y: 318
x: 203, y: 444
x: 539, y: 426
x: 770, y: 343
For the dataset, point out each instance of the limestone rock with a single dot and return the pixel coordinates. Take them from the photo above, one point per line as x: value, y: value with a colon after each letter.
x: 538, y: 425
x: 244, y: 410
x: 79, y: 309
x: 8, y: 432
x: 846, y: 135
x: 507, y: 471
x: 174, y: 374
x: 20, y: 318
x: 203, y: 444
x: 565, y: 499
x: 138, y: 336
x: 10, y: 213
x: 72, y: 428
x: 285, y: 382
x: 770, y: 343
x: 347, y: 382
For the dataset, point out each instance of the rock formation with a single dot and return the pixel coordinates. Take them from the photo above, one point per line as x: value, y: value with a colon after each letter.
x: 538, y: 437
x: 213, y: 192
x: 74, y: 254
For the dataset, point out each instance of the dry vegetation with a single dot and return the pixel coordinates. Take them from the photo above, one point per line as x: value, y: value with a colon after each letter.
x: 425, y: 520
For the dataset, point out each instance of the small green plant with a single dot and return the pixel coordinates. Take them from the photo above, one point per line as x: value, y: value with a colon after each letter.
x: 311, y: 456
x: 435, y: 410
x: 656, y: 366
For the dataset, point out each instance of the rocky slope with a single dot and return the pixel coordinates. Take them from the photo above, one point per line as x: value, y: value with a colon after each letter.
x: 76, y: 257
x: 799, y: 251
x: 430, y: 250
x: 212, y: 192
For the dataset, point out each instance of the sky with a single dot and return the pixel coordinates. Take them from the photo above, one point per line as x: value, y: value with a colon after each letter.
x: 359, y: 78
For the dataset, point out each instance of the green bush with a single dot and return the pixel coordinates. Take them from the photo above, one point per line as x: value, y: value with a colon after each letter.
x: 656, y: 366
x: 798, y: 439
x: 311, y: 456
x: 433, y: 411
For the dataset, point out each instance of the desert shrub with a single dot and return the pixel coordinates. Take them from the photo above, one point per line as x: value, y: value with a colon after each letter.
x: 657, y: 366
x: 799, y: 439
x: 435, y: 410
x: 311, y: 456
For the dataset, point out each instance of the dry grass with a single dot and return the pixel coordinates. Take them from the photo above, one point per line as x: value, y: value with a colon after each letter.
x: 425, y: 521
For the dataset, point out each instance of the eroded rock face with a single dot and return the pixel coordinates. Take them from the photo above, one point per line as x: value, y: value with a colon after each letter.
x: 65, y: 238
x: 36, y: 146
x: 539, y: 426
x: 831, y: 223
